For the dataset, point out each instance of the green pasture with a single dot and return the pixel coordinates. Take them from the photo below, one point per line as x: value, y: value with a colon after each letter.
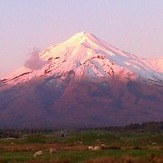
x: 118, y: 144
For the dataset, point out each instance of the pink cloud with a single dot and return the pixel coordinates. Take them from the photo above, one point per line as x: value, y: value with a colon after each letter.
x: 34, y: 62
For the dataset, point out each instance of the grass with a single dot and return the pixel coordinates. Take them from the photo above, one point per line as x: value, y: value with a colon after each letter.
x: 70, y: 148
x: 76, y: 156
x: 15, y: 156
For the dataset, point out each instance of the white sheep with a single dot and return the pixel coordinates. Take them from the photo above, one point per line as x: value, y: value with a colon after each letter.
x: 96, y: 148
x: 90, y: 147
x: 37, y: 154
x: 52, y: 150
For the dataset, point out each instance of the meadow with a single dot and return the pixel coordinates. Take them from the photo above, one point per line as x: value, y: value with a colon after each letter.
x: 126, y: 147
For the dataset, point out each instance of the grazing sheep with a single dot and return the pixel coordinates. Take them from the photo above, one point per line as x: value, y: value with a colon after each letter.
x: 37, y: 154
x: 52, y: 150
x: 96, y: 148
x: 90, y: 148
x: 78, y: 142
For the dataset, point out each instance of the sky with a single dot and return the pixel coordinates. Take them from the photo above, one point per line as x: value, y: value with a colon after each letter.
x: 135, y: 26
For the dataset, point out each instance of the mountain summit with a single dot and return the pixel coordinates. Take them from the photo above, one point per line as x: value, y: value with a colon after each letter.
x: 83, y: 82
x: 89, y: 56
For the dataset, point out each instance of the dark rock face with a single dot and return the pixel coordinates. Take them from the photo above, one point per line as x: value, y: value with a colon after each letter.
x: 52, y: 103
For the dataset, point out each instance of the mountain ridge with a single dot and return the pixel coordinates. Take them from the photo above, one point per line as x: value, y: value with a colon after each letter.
x: 83, y: 48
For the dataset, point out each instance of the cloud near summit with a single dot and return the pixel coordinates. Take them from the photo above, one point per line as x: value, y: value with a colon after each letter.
x: 34, y: 62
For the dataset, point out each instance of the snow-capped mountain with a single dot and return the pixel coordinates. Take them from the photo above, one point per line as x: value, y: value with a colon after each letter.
x: 83, y: 82
x: 88, y: 57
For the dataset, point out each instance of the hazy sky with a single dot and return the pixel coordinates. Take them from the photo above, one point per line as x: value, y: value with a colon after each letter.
x: 135, y: 26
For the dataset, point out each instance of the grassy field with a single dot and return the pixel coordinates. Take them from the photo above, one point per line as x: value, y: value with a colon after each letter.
x: 73, y: 147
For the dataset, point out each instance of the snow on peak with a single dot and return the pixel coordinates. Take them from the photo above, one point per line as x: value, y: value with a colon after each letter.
x: 88, y: 55
x: 157, y: 63
x: 74, y: 42
x: 81, y: 37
